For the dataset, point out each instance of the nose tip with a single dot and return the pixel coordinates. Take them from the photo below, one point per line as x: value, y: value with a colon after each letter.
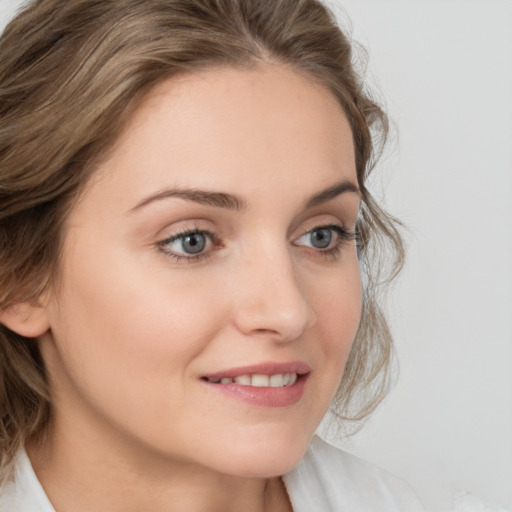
x: 275, y: 307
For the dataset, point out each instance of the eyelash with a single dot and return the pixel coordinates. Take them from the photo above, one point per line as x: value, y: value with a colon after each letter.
x: 343, y: 236
x: 188, y: 232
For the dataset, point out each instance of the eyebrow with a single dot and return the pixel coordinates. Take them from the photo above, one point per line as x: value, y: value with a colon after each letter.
x: 205, y: 197
x: 233, y: 202
x: 332, y: 192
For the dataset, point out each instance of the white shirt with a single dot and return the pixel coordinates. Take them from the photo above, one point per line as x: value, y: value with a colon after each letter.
x: 326, y: 480
x: 331, y: 480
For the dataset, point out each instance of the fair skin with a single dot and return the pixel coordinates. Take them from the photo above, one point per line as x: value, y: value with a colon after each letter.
x: 163, y: 290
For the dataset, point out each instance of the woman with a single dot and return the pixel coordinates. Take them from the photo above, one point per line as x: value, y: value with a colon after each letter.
x: 184, y: 223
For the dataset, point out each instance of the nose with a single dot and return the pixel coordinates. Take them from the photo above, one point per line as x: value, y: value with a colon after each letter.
x: 269, y: 300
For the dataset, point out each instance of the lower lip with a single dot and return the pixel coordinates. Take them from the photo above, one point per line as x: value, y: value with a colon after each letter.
x: 265, y: 396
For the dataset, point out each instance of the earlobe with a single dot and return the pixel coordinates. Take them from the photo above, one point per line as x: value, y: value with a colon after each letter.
x: 26, y: 319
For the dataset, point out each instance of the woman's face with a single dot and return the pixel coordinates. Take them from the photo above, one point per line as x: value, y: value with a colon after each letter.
x: 209, y: 288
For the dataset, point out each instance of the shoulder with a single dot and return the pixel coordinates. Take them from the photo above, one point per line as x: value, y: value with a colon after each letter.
x: 330, y: 479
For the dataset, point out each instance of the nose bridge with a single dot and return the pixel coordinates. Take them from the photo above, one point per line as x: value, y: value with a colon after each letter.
x: 270, y: 298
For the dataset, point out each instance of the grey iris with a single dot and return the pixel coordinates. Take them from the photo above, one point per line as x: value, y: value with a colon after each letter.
x: 321, y: 238
x: 194, y: 243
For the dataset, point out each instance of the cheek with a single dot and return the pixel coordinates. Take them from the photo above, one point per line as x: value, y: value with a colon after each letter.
x: 114, y: 325
x: 338, y: 305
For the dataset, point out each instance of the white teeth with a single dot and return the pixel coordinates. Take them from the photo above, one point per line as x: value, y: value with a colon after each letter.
x: 244, y: 380
x: 278, y: 380
x: 260, y: 381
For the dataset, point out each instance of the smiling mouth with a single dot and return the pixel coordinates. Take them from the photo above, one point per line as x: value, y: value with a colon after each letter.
x: 267, y: 384
x: 278, y: 380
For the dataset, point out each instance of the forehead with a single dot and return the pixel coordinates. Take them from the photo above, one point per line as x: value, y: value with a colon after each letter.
x: 233, y: 128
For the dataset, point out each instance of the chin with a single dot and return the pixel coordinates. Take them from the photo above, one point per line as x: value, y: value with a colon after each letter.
x: 265, y: 457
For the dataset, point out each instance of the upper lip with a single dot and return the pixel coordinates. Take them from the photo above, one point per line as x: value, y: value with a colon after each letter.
x: 268, y: 368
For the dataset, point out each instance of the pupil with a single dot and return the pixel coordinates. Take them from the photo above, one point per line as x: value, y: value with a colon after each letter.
x: 194, y: 243
x: 321, y: 238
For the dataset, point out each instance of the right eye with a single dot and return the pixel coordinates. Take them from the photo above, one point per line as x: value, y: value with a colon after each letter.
x: 188, y: 245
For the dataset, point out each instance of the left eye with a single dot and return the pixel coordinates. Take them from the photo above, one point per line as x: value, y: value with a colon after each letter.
x: 321, y: 238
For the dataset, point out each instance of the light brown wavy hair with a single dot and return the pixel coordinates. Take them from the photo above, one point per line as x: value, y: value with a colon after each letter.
x: 72, y: 72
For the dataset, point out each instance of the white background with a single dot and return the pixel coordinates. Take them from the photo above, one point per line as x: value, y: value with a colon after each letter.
x: 444, y: 70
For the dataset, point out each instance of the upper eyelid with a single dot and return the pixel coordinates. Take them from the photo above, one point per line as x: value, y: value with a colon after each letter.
x: 182, y: 228
x: 335, y: 225
x: 340, y: 230
x: 320, y: 225
x: 184, y: 231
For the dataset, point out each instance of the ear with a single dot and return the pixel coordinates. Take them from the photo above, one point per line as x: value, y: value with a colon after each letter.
x: 27, y: 319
